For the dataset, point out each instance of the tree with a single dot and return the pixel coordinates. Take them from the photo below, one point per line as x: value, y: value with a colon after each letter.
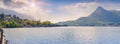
x: 2, y: 16
x: 11, y: 24
x: 14, y: 16
x: 47, y: 23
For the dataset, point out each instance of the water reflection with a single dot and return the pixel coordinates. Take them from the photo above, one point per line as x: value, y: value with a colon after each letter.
x: 64, y: 35
x: 108, y: 35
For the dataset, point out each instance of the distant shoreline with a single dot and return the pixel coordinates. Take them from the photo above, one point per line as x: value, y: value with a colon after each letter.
x: 65, y: 26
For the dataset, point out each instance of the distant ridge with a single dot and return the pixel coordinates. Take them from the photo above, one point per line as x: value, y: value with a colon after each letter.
x: 11, y: 12
x: 100, y: 17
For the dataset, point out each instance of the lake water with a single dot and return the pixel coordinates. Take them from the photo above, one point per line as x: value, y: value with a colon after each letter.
x: 63, y: 35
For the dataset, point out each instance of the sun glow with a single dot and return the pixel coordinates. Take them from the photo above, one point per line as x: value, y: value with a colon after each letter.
x: 33, y: 5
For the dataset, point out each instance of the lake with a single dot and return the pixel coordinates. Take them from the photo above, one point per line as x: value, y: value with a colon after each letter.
x: 63, y: 35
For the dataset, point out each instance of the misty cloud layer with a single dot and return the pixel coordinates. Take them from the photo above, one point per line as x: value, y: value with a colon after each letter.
x: 55, y: 10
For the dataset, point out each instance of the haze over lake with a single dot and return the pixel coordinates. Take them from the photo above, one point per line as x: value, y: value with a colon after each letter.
x: 63, y: 35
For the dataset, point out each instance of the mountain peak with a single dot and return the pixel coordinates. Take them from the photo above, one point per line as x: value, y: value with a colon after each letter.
x: 100, y: 8
x: 98, y: 12
x: 100, y: 17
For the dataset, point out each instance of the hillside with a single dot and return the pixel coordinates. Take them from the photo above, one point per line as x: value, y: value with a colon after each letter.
x: 100, y: 17
x: 13, y: 21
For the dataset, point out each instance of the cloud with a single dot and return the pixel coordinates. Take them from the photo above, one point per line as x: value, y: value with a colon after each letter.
x: 76, y: 1
x: 37, y: 12
x: 111, y: 6
x: 15, y: 3
x: 78, y: 10
x: 24, y: 7
x: 43, y: 11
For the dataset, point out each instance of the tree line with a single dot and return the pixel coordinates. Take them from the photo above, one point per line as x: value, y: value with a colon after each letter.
x: 13, y: 21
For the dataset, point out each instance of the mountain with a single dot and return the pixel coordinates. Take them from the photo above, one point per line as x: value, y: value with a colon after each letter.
x: 100, y: 17
x: 11, y: 12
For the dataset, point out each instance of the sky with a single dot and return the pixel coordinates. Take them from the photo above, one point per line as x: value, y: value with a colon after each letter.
x: 58, y: 10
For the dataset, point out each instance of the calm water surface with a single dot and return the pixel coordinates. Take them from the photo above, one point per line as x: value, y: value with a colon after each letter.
x: 63, y: 35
